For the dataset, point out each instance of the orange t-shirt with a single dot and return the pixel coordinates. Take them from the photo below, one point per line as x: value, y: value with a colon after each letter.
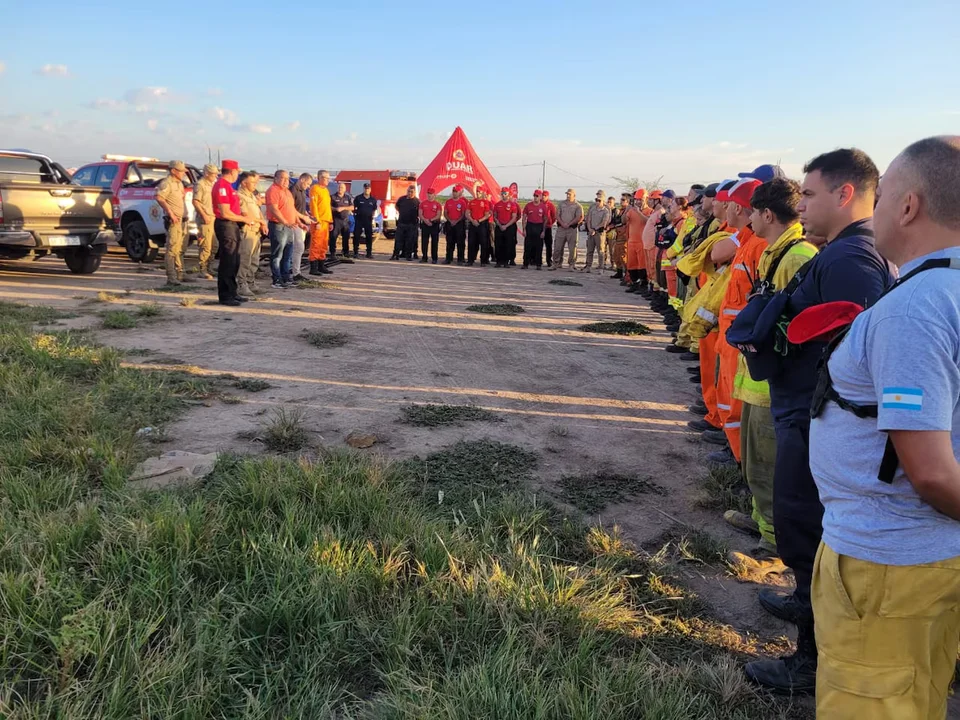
x: 636, y: 221
x: 743, y: 271
x: 282, y: 198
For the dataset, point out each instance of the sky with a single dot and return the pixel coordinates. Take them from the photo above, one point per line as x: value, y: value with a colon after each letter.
x: 682, y: 92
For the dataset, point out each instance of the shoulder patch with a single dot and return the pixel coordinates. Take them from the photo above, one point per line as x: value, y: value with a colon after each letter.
x: 902, y: 398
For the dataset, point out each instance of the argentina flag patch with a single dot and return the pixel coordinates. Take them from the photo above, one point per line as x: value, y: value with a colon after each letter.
x: 902, y: 398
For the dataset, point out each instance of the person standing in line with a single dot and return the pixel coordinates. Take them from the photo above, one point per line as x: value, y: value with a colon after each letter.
x: 300, y: 191
x: 569, y: 217
x: 548, y: 227
x: 281, y: 220
x: 618, y: 233
x: 250, y: 234
x: 455, y: 212
x: 598, y: 218
x: 837, y: 200
x: 886, y: 583
x: 170, y: 197
x: 341, y: 203
x: 226, y: 207
x: 322, y: 215
x: 430, y: 212
x: 478, y: 231
x: 408, y: 216
x: 203, y: 207
x: 534, y: 218
x: 634, y: 219
x: 610, y: 235
x: 364, y: 211
x: 505, y: 213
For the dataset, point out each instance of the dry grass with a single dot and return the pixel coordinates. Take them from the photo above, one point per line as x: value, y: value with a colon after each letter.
x: 325, y: 338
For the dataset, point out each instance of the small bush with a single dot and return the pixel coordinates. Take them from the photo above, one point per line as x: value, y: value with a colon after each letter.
x: 150, y: 310
x: 285, y: 431
x: 119, y: 320
x: 592, y: 493
x: 189, y: 302
x: 251, y: 384
x: 325, y: 338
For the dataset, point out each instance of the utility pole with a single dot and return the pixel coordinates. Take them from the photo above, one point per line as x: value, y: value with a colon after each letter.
x: 543, y: 175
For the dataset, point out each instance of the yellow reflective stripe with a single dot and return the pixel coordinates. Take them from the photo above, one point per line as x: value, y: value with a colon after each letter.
x: 731, y: 311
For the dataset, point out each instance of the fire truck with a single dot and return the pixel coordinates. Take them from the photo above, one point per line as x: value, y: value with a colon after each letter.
x: 133, y: 182
x: 385, y: 185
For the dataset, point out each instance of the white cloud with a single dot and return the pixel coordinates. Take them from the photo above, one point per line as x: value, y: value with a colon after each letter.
x: 106, y: 104
x: 353, y: 136
x: 3, y: 67
x: 294, y: 126
x: 152, y: 125
x: 214, y: 92
x: 227, y: 117
x: 261, y: 129
x: 51, y: 70
x: 151, y: 95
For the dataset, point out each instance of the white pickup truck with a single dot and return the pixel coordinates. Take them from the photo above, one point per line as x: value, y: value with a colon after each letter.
x: 133, y: 182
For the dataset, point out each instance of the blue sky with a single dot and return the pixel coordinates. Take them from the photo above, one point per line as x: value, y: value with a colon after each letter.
x: 692, y: 91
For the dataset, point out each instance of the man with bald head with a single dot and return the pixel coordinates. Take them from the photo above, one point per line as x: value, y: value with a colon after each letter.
x: 886, y: 586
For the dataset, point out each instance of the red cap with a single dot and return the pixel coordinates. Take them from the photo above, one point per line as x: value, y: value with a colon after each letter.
x: 537, y: 192
x: 458, y: 188
x: 821, y: 322
x: 640, y: 194
x: 742, y: 192
x: 431, y: 191
x: 656, y: 195
x: 229, y: 165
x: 505, y: 190
x: 546, y: 193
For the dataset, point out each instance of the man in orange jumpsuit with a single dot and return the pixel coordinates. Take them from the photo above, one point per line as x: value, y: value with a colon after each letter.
x: 743, y: 271
x: 635, y: 220
x: 322, y: 215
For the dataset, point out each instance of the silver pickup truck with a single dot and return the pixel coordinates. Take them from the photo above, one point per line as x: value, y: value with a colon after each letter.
x: 43, y: 212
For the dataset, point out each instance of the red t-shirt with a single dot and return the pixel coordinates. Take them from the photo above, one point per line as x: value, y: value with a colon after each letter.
x: 454, y: 208
x: 551, y: 212
x: 478, y: 208
x: 430, y: 209
x: 224, y: 194
x: 504, y: 210
x: 535, y: 213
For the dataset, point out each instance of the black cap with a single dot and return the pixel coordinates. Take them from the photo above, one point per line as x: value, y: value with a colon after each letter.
x: 727, y: 185
x: 711, y: 190
x: 366, y: 185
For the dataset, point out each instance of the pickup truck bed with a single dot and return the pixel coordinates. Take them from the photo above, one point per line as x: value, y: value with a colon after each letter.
x: 43, y: 212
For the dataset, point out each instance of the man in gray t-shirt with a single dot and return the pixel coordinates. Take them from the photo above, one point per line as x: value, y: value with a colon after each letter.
x: 886, y: 584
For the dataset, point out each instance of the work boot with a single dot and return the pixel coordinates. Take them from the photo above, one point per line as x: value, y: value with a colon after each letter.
x: 714, y: 437
x: 673, y: 327
x: 700, y: 425
x: 694, y: 370
x: 356, y: 253
x: 324, y: 270
x: 722, y: 457
x: 690, y: 357
x: 618, y: 275
x: 675, y: 349
x: 315, y: 267
x: 369, y: 254
x: 793, y: 675
x: 424, y: 259
x: 782, y: 605
x: 695, y: 379
x: 698, y: 409
x: 633, y: 288
x: 743, y: 523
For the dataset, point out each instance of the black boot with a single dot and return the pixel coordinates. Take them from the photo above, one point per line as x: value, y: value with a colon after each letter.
x: 792, y: 675
x: 324, y: 270
x: 618, y: 275
x: 784, y: 606
x: 315, y: 267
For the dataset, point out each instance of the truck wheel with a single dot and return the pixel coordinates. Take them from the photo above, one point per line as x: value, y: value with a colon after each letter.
x: 136, y: 239
x: 82, y: 262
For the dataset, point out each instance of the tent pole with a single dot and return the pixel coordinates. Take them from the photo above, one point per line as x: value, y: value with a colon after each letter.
x: 543, y: 175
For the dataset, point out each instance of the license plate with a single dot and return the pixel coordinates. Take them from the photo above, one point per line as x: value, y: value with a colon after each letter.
x: 63, y: 240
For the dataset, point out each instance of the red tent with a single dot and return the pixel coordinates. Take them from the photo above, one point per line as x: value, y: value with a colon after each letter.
x: 457, y: 163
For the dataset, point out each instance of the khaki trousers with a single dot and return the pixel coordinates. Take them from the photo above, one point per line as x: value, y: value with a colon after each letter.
x: 207, y: 245
x: 249, y: 259
x: 758, y: 457
x: 565, y: 237
x: 173, y: 255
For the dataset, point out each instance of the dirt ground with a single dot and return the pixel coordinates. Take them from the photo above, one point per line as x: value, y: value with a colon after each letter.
x: 583, y: 402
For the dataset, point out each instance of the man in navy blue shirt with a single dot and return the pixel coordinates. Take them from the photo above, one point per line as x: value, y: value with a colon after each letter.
x: 364, y: 209
x: 837, y: 202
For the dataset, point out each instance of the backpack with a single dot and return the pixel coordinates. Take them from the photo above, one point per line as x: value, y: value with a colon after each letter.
x: 825, y: 392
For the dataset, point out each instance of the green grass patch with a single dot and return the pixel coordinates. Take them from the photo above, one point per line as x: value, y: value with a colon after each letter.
x: 725, y: 489
x: 501, y: 309
x: 567, y: 283
x: 251, y: 384
x: 119, y: 320
x: 325, y: 338
x: 21, y: 314
x: 430, y: 415
x: 616, y: 327
x: 285, y: 431
x: 150, y: 310
x: 337, y: 588
x: 592, y: 493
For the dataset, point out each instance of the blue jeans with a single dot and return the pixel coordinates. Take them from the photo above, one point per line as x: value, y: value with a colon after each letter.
x: 281, y: 252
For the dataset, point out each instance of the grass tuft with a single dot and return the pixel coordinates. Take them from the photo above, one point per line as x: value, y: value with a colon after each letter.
x: 189, y: 301
x: 592, y: 493
x: 430, y: 415
x: 285, y: 431
x: 106, y: 297
x: 501, y: 309
x: 20, y: 314
x: 724, y: 489
x: 325, y: 338
x: 150, y: 310
x: 119, y: 320
x: 616, y: 327
x: 568, y: 283
x: 307, y: 284
x: 252, y: 384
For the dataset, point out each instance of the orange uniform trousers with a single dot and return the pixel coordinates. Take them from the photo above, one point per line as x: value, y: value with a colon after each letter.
x: 650, y: 262
x: 728, y: 406
x: 708, y: 377
x: 319, y: 241
x: 635, y: 259
x: 670, y: 273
